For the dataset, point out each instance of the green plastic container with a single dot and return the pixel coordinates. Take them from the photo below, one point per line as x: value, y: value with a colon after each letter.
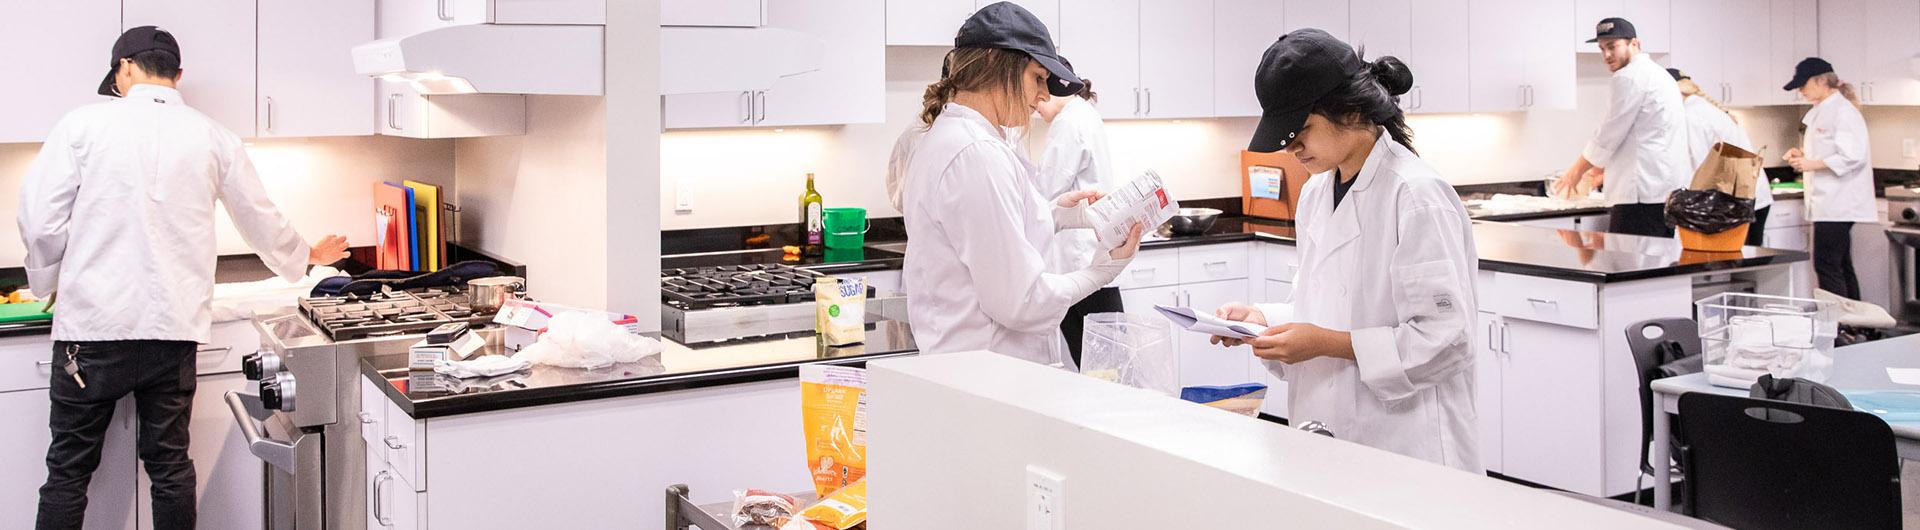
x: 845, y: 227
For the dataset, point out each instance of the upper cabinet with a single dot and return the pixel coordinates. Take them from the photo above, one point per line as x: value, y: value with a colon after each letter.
x: 845, y: 82
x: 404, y: 112
x: 1142, y: 69
x: 70, y: 42
x: 1717, y: 51
x: 1431, y: 49
x: 1794, y: 35
x: 216, y: 53
x: 714, y: 13
x: 1652, y: 20
x: 307, y: 85
x: 1516, y: 60
x: 399, y: 18
x: 1874, y: 45
x: 1331, y: 16
x: 1242, y: 31
x: 934, y: 22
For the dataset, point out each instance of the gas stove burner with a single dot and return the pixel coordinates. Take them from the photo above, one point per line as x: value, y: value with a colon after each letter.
x: 735, y: 285
x: 348, y: 317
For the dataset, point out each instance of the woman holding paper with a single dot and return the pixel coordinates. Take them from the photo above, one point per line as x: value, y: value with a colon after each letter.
x: 975, y: 223
x: 1376, y: 343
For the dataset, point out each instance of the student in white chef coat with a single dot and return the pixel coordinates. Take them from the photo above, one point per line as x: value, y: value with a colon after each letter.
x: 1076, y: 159
x: 1838, y: 167
x: 1709, y: 123
x: 116, y: 215
x: 1642, y: 142
x: 1377, y: 345
x: 976, y: 226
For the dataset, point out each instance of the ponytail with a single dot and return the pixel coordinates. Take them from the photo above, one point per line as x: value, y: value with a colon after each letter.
x: 975, y: 69
x: 1832, y: 80
x: 937, y: 96
x: 1688, y: 87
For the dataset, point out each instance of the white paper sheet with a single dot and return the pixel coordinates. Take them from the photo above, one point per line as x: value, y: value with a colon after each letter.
x: 1190, y: 320
x: 1904, y: 376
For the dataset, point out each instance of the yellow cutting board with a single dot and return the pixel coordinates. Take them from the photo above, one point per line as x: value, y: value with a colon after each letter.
x: 426, y: 200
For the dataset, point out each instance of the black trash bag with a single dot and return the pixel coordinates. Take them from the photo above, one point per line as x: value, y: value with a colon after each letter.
x: 1707, y: 211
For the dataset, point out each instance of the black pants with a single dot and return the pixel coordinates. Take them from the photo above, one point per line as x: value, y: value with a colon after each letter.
x: 160, y: 376
x: 1833, y: 258
x: 1756, y: 232
x: 1640, y: 219
x: 1105, y: 300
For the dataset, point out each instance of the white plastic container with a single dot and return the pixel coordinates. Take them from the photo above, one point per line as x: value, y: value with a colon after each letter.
x: 1131, y: 350
x: 1745, y: 336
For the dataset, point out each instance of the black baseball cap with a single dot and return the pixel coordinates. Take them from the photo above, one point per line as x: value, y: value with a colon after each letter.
x: 1297, y: 71
x: 1677, y: 74
x: 1807, y: 68
x: 1613, y: 28
x: 131, y: 43
x: 1007, y: 26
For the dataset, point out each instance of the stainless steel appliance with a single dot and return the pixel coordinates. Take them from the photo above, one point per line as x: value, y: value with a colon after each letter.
x: 299, y: 419
x: 727, y: 302
x: 1903, y: 238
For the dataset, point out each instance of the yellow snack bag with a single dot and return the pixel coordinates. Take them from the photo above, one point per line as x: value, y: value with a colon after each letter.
x: 833, y: 406
x: 842, y: 510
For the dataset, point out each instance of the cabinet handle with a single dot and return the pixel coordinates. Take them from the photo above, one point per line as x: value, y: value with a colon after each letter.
x: 1419, y: 97
x: 440, y: 10
x: 1543, y: 301
x: 43, y: 363
x: 747, y: 95
x: 222, y: 349
x: 1149, y: 101
x: 1506, y: 338
x: 392, y: 109
x: 380, y: 498
x: 393, y: 442
x: 1212, y: 264
x: 1137, y: 273
x: 269, y: 113
x: 1136, y: 101
x: 366, y: 419
x: 760, y: 99
x: 1523, y: 96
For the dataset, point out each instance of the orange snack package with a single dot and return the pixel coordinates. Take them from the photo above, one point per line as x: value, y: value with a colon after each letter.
x: 833, y: 405
x: 843, y: 509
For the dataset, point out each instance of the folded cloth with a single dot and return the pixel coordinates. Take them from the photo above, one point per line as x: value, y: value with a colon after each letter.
x: 1850, y: 312
x: 482, y: 366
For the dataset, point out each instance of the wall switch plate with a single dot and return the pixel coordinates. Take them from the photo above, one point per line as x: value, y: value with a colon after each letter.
x: 1046, y: 499
x: 1909, y: 149
x: 682, y: 199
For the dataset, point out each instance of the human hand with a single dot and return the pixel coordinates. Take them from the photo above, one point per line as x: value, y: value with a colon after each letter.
x: 1132, y: 246
x: 1803, y: 164
x: 1297, y: 342
x: 1237, y: 312
x: 328, y: 250
x: 1072, y: 198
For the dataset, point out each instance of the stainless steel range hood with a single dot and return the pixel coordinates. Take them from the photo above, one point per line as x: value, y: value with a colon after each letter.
x: 492, y: 59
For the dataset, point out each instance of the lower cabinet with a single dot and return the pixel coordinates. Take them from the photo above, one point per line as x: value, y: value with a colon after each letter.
x: 1202, y: 278
x: 1487, y: 395
x: 231, y: 481
x: 1554, y: 435
x: 110, y: 497
x: 391, y: 503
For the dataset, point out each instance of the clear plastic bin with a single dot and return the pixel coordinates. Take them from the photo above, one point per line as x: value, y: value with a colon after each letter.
x: 1132, y: 350
x: 1744, y: 336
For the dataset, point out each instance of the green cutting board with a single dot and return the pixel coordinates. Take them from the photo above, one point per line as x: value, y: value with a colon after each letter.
x: 24, y: 312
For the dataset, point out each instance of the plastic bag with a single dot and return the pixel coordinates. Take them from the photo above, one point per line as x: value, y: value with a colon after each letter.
x: 840, y: 310
x: 1707, y: 211
x: 844, y: 509
x: 833, y: 406
x: 1132, y: 350
x: 580, y: 340
x: 762, y: 508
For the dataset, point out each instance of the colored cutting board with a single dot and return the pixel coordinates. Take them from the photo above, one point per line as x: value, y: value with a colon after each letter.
x: 413, y: 232
x: 394, y: 245
x: 426, y: 212
x: 24, y: 312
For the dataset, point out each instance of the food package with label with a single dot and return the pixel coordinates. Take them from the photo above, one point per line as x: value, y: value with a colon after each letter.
x: 1243, y: 399
x: 1143, y: 200
x: 840, y: 310
x: 759, y: 507
x: 833, y: 406
x: 845, y: 508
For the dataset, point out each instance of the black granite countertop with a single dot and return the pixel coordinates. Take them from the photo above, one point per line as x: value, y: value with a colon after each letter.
x: 1598, y: 257
x: 424, y: 394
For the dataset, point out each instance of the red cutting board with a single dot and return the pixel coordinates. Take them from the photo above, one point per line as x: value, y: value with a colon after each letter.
x: 391, y: 238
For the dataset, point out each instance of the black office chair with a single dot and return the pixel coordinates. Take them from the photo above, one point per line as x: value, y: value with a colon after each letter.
x: 1758, y: 464
x: 1672, y: 340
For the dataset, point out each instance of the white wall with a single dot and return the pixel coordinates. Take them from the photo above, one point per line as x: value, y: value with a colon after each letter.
x: 324, y: 185
x: 753, y: 176
x: 1887, y: 126
x: 540, y: 198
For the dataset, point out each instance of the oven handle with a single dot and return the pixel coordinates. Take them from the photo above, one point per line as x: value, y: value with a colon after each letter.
x: 248, y: 412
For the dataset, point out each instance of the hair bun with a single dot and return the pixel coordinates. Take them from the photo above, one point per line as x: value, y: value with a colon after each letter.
x: 1392, y: 74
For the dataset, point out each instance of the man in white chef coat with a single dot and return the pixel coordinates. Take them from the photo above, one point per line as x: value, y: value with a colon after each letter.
x: 117, y: 217
x: 1642, y: 143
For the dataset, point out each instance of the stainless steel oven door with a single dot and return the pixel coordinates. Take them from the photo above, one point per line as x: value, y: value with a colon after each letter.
x: 296, y: 472
x: 1904, y: 242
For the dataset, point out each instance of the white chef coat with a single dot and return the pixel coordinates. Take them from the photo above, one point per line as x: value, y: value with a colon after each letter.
x: 897, y: 164
x: 1708, y: 125
x: 975, y: 227
x: 1394, y: 265
x: 1076, y: 159
x: 1837, y: 134
x: 117, y: 217
x: 1642, y: 141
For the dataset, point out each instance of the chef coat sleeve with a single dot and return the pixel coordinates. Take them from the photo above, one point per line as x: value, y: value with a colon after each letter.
x: 1623, y: 106
x: 265, y: 230
x: 986, y: 226
x: 1432, y: 288
x: 1849, y: 146
x: 47, y: 195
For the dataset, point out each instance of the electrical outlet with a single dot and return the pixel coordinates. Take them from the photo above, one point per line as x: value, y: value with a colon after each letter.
x: 1046, y: 499
x: 1909, y: 149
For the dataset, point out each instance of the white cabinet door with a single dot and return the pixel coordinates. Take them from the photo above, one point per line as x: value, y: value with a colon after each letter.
x: 69, y: 41
x: 1102, y: 38
x: 719, y: 13
x: 1892, y: 74
x: 851, y: 84
x: 402, y: 112
x: 390, y: 503
x: 1203, y: 363
x: 1795, y: 36
x: 1550, y: 81
x: 1551, y: 405
x: 1699, y: 52
x: 1327, y: 15
x: 1383, y: 27
x: 400, y: 18
x: 1746, y: 44
x: 308, y: 86
x: 110, y: 497
x: 1498, y: 49
x: 216, y: 53
x: 1242, y: 31
x: 230, y: 480
x: 1174, y: 81
x: 1442, y: 74
x: 1787, y: 237
x: 1843, y: 40
x: 1487, y: 397
x: 925, y: 22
